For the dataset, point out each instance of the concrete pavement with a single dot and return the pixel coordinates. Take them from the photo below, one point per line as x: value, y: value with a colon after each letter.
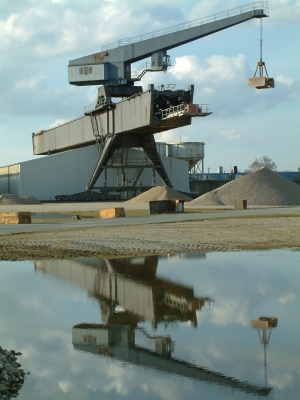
x: 151, y: 219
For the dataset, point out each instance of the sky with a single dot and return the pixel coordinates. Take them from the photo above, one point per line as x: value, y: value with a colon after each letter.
x: 39, y: 37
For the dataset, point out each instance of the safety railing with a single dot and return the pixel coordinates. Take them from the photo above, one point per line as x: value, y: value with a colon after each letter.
x: 185, y: 109
x: 90, y: 107
x: 146, y: 66
x: 260, y: 5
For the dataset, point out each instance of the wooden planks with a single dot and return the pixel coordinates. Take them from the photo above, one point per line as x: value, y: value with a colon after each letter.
x: 112, y: 213
x: 15, y: 218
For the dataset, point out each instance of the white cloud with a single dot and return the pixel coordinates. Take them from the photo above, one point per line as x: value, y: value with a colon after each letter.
x: 27, y: 84
x: 287, y: 298
x: 222, y: 82
x: 230, y: 135
x: 280, y: 11
x: 11, y: 30
x: 56, y: 123
x: 285, y: 80
x: 64, y: 386
x: 284, y: 11
x: 231, y: 312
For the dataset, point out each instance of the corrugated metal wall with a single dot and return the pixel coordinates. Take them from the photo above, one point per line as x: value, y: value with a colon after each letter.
x: 10, y: 179
x: 69, y: 172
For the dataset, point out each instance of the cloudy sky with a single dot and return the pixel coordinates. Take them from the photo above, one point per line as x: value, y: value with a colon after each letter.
x: 39, y: 37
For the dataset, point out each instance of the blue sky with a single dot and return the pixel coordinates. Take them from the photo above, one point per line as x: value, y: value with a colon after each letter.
x: 39, y: 37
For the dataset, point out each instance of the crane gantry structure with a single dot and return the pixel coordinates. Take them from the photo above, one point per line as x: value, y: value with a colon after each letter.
x: 132, y: 122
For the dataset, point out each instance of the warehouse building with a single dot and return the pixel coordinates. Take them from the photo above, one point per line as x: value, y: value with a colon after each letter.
x: 69, y: 172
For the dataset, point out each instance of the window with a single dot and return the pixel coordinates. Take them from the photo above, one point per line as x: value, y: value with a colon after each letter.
x: 89, y: 339
x: 85, y: 70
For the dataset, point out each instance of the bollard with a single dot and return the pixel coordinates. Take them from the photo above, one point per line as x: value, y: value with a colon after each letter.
x: 240, y: 204
x: 179, y: 206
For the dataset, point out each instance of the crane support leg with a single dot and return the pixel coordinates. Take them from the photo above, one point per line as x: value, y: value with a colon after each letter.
x: 126, y: 141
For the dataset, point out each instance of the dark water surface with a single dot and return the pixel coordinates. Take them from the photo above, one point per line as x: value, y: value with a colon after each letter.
x: 178, y: 327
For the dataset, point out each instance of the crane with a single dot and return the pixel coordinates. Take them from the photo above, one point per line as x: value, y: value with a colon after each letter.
x: 132, y: 122
x: 112, y: 65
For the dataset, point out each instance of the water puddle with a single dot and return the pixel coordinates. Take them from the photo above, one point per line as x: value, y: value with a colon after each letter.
x: 215, y: 326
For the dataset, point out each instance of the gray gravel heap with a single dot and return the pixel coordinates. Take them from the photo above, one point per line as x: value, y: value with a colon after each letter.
x: 260, y: 188
x: 158, y: 193
x: 12, y: 199
x: 11, y: 374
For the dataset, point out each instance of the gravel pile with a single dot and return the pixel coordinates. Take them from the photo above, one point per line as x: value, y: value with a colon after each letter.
x: 11, y: 374
x: 158, y: 193
x: 11, y: 199
x: 260, y: 188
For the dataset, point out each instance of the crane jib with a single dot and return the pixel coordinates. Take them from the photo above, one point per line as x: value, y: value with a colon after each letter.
x: 112, y: 65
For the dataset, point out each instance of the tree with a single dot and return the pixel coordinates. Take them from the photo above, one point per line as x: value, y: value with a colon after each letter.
x: 258, y: 163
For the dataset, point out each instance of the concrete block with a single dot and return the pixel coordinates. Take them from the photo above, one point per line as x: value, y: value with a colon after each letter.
x: 112, y: 213
x: 162, y: 206
x: 15, y: 218
x: 240, y: 204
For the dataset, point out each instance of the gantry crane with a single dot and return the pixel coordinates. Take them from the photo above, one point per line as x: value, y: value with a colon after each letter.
x: 133, y: 121
x: 112, y: 66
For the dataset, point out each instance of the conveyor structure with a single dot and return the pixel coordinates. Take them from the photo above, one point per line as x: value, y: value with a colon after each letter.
x: 132, y: 122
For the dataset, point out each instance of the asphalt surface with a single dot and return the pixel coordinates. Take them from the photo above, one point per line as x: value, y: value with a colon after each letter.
x: 151, y: 219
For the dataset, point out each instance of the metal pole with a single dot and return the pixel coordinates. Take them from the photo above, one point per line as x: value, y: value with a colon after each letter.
x: 261, y: 39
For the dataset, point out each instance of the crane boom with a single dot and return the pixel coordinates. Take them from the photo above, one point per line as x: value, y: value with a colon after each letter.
x: 112, y: 66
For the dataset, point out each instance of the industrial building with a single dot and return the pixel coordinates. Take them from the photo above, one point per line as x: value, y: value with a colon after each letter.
x: 69, y: 172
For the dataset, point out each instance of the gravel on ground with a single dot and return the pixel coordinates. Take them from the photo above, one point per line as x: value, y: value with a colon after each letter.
x: 260, y: 188
x: 221, y: 234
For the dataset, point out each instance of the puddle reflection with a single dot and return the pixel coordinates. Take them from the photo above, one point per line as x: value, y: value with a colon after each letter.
x: 218, y: 326
x: 129, y: 291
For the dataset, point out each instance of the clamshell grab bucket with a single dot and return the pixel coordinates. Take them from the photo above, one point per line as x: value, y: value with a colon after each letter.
x: 261, y: 82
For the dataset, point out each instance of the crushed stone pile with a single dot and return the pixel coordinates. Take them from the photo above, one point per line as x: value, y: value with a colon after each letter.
x: 30, y: 200
x: 12, y: 375
x: 158, y: 193
x: 11, y: 199
x: 260, y: 188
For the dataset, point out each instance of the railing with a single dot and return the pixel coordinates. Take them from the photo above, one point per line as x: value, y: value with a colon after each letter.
x: 186, y: 25
x: 185, y: 109
x: 146, y: 66
x: 138, y: 162
x: 90, y: 107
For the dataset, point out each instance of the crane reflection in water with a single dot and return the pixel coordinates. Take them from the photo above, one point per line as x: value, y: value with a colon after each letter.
x: 129, y: 292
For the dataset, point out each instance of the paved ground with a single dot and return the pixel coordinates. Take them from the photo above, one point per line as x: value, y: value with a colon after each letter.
x: 151, y: 219
x: 261, y: 228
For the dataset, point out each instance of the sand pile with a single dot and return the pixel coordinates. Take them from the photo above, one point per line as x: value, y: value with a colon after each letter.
x: 11, y: 199
x: 158, y: 193
x: 261, y: 188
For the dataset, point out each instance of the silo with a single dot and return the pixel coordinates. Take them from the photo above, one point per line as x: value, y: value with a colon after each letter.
x: 161, y: 148
x: 220, y: 170
x: 192, y: 152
